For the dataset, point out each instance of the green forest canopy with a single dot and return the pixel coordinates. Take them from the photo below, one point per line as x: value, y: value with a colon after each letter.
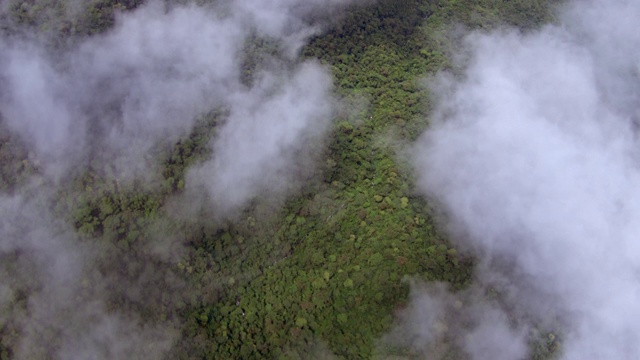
x: 322, y: 274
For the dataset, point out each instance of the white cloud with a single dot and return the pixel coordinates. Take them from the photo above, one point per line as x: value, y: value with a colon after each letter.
x: 534, y: 154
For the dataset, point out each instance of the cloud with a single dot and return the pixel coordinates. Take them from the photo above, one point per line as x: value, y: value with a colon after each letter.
x: 113, y: 100
x: 440, y: 324
x: 54, y: 302
x: 108, y: 103
x: 269, y: 136
x: 115, y: 97
x: 533, y: 153
x: 118, y: 94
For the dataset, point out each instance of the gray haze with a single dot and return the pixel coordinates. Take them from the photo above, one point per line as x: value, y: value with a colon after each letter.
x: 443, y: 325
x: 54, y: 302
x: 111, y: 101
x: 534, y: 154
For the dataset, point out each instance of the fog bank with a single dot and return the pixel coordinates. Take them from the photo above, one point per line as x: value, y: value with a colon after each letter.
x: 533, y: 152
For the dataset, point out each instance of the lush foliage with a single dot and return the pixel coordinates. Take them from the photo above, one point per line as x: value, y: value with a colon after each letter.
x: 324, y: 273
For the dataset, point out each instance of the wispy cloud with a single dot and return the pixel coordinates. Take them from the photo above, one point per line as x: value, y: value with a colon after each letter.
x: 108, y: 102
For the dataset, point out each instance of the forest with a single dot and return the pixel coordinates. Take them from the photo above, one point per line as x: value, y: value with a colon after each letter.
x: 116, y: 245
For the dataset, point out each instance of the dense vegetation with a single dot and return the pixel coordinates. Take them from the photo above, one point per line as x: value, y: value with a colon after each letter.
x: 323, y: 273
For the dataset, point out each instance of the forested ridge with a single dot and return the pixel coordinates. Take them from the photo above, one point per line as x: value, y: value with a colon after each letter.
x: 323, y: 272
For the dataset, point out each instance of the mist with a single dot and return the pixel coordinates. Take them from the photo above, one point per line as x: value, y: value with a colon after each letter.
x: 116, y: 98
x: 267, y: 137
x: 110, y: 103
x: 533, y: 153
x: 56, y: 302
